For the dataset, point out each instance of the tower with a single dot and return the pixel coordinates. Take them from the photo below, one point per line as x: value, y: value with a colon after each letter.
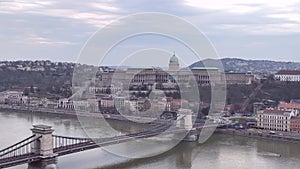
x: 173, y: 63
x: 43, y: 146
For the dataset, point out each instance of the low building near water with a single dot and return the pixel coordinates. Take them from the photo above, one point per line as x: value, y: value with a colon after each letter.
x: 295, y: 124
x: 13, y: 97
x: 276, y: 119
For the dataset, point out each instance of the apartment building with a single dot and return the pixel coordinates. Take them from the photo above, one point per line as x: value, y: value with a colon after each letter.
x: 288, y: 75
x: 295, y: 124
x: 276, y: 119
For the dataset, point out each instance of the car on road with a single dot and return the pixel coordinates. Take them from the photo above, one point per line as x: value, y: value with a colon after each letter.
x: 259, y: 133
x: 272, y: 132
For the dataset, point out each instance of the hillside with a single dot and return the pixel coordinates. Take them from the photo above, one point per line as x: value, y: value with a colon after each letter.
x: 241, y: 65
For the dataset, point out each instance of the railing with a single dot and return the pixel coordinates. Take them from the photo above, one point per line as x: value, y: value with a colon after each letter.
x: 24, y: 151
x: 64, y: 145
x: 21, y: 148
x: 62, y: 141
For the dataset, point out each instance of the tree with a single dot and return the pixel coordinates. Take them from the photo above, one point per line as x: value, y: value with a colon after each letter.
x: 205, y: 111
x: 31, y: 89
x: 26, y: 92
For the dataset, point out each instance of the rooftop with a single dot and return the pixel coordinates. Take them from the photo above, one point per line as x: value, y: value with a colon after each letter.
x: 289, y: 105
x: 288, y: 72
x: 276, y: 111
x: 144, y: 68
x: 174, y: 59
x: 295, y: 117
x: 204, y: 68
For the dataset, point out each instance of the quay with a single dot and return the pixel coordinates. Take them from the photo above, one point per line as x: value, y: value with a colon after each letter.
x: 43, y: 110
x: 253, y: 133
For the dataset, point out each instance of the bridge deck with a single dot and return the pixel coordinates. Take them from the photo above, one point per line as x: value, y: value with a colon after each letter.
x: 18, y: 160
x: 67, y: 145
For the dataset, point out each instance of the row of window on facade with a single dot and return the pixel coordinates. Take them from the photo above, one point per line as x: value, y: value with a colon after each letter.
x: 288, y: 75
x: 201, y: 76
x: 122, y: 103
x: 279, y: 119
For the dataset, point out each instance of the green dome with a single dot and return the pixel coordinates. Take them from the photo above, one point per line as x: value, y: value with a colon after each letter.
x: 173, y: 59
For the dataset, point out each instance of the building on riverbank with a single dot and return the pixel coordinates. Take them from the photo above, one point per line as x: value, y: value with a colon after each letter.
x: 293, y: 106
x: 13, y: 97
x: 295, y: 124
x: 288, y: 75
x: 276, y: 119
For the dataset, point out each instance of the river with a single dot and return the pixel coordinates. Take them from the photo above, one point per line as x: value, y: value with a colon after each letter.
x: 220, y: 151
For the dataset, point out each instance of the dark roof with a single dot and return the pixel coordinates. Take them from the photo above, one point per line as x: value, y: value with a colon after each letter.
x: 288, y: 72
x: 289, y: 105
x: 295, y: 117
x: 276, y: 111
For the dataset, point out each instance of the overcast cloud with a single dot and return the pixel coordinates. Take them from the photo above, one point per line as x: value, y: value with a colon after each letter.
x: 58, y: 29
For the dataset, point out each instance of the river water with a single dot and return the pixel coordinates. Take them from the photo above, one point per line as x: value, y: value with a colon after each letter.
x: 220, y: 151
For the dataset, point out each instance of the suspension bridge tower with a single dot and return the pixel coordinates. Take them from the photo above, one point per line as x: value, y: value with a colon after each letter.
x: 43, y: 146
x: 185, y: 121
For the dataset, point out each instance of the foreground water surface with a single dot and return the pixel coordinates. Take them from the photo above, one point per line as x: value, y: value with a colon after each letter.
x: 220, y: 151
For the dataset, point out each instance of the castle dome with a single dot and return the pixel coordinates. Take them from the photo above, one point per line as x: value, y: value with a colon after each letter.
x: 174, y: 59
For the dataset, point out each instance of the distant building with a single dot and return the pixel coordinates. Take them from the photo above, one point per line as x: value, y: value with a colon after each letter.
x: 104, y: 90
x: 112, y: 81
x: 145, y: 75
x: 174, y: 63
x: 51, y: 104
x: 226, y: 111
x: 295, y: 124
x: 152, y: 75
x: 295, y: 101
x: 65, y: 104
x: 293, y: 106
x: 206, y: 75
x: 288, y: 75
x: 79, y: 105
x: 119, y: 102
x: 105, y: 103
x: 275, y: 119
x: 239, y: 78
x: 257, y: 106
x: 176, y: 104
x: 106, y: 77
x: 13, y: 97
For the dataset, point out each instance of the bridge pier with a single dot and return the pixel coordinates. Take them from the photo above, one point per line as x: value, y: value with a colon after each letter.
x: 185, y: 119
x: 186, y: 122
x: 184, y: 156
x: 48, y: 163
x: 43, y: 146
x: 192, y: 136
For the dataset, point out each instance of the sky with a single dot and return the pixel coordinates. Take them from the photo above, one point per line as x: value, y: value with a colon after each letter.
x: 57, y: 30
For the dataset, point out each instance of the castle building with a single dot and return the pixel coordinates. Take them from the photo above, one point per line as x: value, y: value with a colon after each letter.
x: 152, y: 75
x: 239, y: 78
x: 173, y: 63
x: 288, y: 75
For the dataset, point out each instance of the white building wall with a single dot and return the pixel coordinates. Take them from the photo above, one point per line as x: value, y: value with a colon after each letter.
x: 291, y: 78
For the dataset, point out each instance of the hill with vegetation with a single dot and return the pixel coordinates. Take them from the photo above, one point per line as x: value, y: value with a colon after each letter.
x: 53, y: 80
x: 241, y: 65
